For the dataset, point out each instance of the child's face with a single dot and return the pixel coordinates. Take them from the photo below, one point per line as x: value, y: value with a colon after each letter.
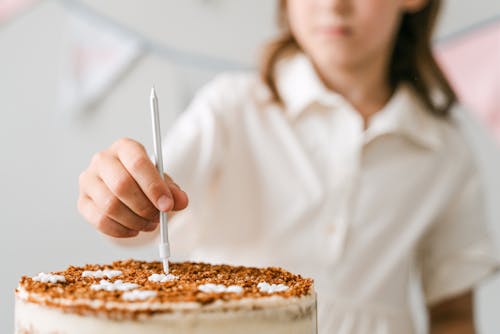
x: 347, y: 33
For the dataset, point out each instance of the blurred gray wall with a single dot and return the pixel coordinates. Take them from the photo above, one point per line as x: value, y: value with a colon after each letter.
x: 43, y: 150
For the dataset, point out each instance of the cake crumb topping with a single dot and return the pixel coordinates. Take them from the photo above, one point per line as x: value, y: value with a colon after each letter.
x: 181, y: 285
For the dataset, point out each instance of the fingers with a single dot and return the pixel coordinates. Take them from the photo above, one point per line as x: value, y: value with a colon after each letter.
x: 121, y: 191
x: 134, y: 158
x: 103, y: 223
x: 111, y: 206
x: 122, y: 185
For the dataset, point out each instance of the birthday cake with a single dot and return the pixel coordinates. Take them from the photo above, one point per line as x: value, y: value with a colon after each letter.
x: 137, y: 297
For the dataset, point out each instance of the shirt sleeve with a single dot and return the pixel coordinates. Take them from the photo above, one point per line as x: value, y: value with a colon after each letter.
x: 193, y: 147
x: 458, y: 252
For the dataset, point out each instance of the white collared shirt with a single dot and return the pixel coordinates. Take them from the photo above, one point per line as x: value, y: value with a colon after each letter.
x: 307, y: 188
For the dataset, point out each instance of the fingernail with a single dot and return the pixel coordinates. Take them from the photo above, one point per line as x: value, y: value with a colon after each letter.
x: 131, y: 233
x: 164, y: 203
x: 150, y: 226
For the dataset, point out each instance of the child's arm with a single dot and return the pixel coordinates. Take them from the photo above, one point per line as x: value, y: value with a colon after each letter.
x: 454, y: 315
x: 121, y: 191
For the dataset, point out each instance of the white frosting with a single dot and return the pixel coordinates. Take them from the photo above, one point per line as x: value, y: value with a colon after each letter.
x: 219, y: 288
x: 138, y: 294
x: 101, y: 273
x: 49, y: 278
x: 161, y: 278
x: 271, y: 288
x: 113, y: 286
x: 190, y: 307
x: 234, y: 288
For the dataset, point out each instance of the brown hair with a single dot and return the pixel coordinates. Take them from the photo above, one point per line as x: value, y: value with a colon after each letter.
x: 412, y: 59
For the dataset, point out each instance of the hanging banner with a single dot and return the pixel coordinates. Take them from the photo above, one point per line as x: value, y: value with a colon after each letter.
x: 471, y: 62
x: 96, y: 56
x: 10, y: 8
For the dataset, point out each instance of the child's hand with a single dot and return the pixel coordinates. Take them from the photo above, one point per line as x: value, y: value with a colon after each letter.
x: 121, y: 191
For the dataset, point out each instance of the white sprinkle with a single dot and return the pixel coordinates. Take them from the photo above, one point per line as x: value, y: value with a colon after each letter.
x: 161, y: 278
x: 210, y: 287
x: 49, y: 278
x: 271, y: 288
x: 234, y: 288
x: 113, y: 286
x: 219, y: 288
x: 101, y: 273
x: 138, y: 294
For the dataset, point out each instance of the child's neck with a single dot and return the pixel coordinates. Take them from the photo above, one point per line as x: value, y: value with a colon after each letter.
x: 366, y: 87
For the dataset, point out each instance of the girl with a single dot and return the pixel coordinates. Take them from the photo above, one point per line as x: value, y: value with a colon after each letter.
x: 340, y: 161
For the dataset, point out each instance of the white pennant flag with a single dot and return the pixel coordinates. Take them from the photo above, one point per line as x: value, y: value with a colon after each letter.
x: 96, y: 56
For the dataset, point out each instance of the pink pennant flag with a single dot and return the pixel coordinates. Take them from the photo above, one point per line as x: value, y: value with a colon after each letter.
x: 9, y: 8
x: 472, y: 64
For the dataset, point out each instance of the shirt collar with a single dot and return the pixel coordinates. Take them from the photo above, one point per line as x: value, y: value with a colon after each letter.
x: 299, y: 86
x: 406, y: 115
